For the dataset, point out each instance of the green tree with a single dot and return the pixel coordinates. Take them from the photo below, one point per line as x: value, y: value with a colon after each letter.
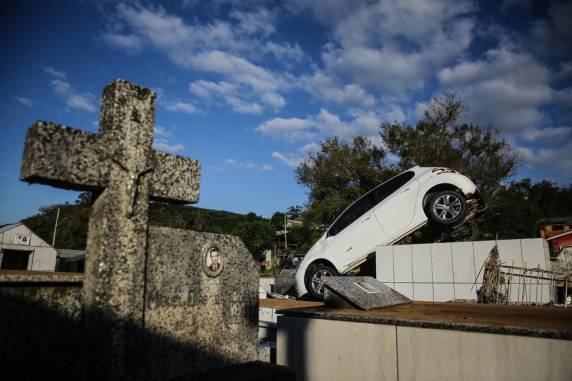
x: 439, y: 139
x: 339, y: 173
x: 256, y: 233
x: 72, y: 225
x: 520, y: 204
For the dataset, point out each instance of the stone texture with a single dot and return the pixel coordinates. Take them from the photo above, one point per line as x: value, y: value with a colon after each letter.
x: 74, y: 159
x: 217, y: 317
x: 284, y: 283
x: 363, y: 292
x: 156, y: 303
x: 40, y: 325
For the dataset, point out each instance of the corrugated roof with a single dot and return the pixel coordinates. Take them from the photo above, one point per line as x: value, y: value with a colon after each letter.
x: 5, y: 228
x: 568, y: 232
x: 71, y: 254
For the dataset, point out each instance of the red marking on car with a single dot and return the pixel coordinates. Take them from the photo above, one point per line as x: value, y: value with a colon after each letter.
x: 440, y: 171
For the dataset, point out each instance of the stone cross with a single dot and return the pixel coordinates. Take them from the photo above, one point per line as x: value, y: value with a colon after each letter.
x: 120, y: 164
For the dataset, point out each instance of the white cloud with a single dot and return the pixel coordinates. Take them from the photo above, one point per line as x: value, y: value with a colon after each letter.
x: 128, y: 42
x: 290, y: 159
x: 239, y: 164
x: 323, y: 124
x: 293, y: 159
x: 25, y: 101
x: 392, y: 46
x: 162, y: 141
x: 233, y: 95
x: 290, y: 129
x: 261, y: 21
x: 504, y: 88
x: 54, y: 73
x: 227, y: 48
x: 546, y: 134
x: 246, y: 165
x: 185, y: 107
x: 325, y: 88
x: 74, y: 100
x: 559, y: 158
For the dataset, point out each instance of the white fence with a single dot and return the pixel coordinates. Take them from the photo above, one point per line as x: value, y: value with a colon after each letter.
x: 448, y: 271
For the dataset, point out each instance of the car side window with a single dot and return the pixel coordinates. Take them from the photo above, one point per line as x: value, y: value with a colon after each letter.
x: 390, y: 186
x: 372, y: 198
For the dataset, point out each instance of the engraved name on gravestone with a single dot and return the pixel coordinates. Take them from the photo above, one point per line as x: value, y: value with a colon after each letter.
x: 127, y: 262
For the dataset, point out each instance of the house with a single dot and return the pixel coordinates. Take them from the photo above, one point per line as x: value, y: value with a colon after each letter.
x: 22, y: 249
x: 70, y: 260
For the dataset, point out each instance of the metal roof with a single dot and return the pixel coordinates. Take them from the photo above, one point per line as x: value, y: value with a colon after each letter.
x: 5, y: 228
x: 71, y: 255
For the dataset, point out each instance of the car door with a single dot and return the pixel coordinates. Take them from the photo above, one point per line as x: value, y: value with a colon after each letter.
x: 355, y: 233
x: 397, y: 210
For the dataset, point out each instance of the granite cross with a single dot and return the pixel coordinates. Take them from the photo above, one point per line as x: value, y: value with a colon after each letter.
x: 120, y: 165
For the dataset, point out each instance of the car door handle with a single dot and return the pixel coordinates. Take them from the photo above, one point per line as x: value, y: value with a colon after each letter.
x: 348, y: 249
x: 367, y: 218
x: 405, y: 190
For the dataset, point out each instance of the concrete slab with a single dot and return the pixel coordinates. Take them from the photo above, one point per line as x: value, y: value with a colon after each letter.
x: 327, y: 350
x: 384, y: 264
x: 443, y: 292
x: 442, y: 263
x: 421, y: 260
x: 363, y: 292
x: 402, y: 263
x: 463, y: 262
x: 454, y: 355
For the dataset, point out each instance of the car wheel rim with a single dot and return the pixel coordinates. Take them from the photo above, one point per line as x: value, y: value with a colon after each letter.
x: 318, y: 281
x: 447, y: 207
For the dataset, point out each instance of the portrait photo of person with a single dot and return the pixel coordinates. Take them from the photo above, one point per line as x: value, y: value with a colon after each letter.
x: 213, y: 261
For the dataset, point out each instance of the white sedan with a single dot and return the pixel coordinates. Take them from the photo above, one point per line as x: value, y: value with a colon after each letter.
x: 385, y: 215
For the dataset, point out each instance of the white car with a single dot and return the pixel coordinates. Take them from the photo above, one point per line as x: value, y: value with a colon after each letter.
x: 385, y: 215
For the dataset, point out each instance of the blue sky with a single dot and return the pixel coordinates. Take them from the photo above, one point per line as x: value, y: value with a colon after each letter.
x: 249, y: 88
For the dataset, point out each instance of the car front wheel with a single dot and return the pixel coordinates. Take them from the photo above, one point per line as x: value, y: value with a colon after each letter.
x: 315, y: 279
x: 447, y: 208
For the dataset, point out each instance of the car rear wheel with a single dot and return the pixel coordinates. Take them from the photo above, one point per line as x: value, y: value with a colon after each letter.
x: 315, y: 277
x: 447, y: 208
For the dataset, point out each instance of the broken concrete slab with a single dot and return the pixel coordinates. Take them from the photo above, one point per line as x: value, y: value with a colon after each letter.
x: 363, y: 292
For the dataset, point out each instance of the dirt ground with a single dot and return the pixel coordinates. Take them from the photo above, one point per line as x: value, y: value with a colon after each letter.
x: 465, y: 313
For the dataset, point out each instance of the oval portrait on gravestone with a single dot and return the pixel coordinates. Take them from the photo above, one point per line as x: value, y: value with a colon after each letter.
x: 213, y: 260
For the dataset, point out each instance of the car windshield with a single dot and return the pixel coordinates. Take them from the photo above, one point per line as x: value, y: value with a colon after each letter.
x: 369, y: 200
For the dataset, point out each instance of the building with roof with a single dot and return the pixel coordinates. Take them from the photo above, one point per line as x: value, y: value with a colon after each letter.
x: 70, y: 260
x: 22, y: 249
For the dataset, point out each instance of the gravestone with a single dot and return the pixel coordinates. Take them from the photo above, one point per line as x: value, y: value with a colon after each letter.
x: 156, y: 302
x: 363, y: 292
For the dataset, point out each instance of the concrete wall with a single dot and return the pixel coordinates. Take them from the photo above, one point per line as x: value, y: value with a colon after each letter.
x: 42, y: 257
x: 339, y: 350
x: 447, y: 271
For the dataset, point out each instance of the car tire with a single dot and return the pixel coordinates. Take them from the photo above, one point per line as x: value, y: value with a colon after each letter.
x: 315, y: 281
x: 447, y: 208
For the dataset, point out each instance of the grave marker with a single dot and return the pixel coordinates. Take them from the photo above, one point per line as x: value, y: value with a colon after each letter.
x: 363, y: 292
x: 157, y: 302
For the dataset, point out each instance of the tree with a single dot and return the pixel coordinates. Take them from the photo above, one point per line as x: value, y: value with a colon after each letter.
x: 521, y: 203
x: 256, y: 233
x: 439, y: 139
x: 340, y: 173
x: 72, y: 225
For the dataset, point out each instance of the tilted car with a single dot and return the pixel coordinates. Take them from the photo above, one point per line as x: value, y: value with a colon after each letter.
x: 385, y: 215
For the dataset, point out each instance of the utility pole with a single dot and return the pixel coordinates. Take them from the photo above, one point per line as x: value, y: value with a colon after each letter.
x: 285, y: 233
x: 55, y: 229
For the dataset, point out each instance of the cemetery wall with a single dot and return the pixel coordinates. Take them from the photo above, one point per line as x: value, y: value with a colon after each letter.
x: 451, y: 271
x: 320, y: 349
